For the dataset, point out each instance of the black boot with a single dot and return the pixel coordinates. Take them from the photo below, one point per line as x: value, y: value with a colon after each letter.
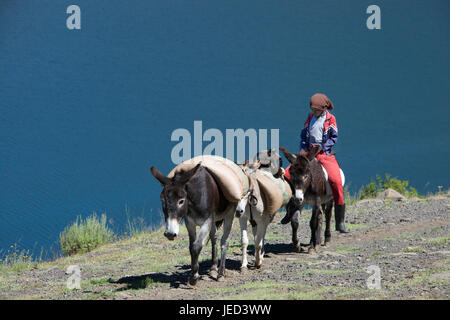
x: 291, y: 209
x: 339, y: 216
x: 287, y: 218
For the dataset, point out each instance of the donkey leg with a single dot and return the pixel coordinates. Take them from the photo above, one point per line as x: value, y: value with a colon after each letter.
x: 192, y: 250
x: 228, y: 223
x: 258, y: 244
x: 328, y: 212
x: 319, y: 228
x: 313, y: 227
x: 254, y: 233
x: 244, y: 241
x: 265, y: 223
x: 294, y: 225
x: 215, y: 260
x: 316, y: 225
x: 196, y: 246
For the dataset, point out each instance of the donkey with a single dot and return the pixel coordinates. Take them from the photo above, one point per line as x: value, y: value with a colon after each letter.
x: 194, y: 196
x: 251, y: 208
x: 311, y: 187
x: 271, y: 161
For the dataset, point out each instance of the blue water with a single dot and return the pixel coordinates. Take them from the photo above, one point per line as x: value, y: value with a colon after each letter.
x: 84, y: 113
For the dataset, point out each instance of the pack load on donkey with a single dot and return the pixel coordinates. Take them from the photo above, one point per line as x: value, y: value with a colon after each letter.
x: 230, y: 178
x: 268, y: 193
x: 276, y: 192
x: 234, y: 183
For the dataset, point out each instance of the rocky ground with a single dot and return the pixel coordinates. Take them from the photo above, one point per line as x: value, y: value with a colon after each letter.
x: 407, y: 241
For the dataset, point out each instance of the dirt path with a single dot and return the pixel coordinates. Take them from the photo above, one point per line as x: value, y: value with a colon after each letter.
x: 342, y: 264
x: 407, y: 241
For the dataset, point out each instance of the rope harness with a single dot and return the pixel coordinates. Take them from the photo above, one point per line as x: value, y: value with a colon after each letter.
x: 252, y: 201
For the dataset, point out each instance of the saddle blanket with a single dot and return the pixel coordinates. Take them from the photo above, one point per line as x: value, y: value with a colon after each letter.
x: 326, y: 175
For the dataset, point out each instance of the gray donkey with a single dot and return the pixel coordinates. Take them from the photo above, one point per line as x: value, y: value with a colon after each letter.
x: 194, y: 196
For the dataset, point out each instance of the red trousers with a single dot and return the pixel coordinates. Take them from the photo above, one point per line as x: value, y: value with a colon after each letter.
x: 334, y: 175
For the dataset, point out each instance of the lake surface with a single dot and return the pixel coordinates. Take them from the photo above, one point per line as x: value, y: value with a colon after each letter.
x: 85, y: 113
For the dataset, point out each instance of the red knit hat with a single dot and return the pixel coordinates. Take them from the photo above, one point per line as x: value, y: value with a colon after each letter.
x: 319, y: 100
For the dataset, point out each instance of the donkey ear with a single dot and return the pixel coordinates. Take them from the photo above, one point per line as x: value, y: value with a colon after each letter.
x: 291, y: 157
x: 159, y: 176
x: 255, y: 165
x: 186, y: 176
x: 313, y: 153
x: 243, y: 164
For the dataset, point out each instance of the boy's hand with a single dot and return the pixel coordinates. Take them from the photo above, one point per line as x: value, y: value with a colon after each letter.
x: 317, y: 148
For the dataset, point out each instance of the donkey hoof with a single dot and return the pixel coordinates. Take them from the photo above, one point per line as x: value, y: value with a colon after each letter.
x: 193, y: 281
x: 297, y: 248
x: 213, y: 273
x: 243, y: 269
x: 220, y: 277
x: 312, y: 249
x: 326, y: 243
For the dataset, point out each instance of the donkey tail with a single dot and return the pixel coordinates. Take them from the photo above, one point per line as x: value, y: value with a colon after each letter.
x: 218, y: 224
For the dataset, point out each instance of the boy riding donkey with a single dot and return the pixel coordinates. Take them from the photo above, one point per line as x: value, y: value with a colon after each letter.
x: 320, y: 131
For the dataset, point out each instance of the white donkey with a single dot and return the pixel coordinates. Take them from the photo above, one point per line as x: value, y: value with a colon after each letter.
x: 251, y: 208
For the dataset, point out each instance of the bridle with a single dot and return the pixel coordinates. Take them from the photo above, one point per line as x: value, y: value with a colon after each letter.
x: 291, y: 185
x: 252, y: 198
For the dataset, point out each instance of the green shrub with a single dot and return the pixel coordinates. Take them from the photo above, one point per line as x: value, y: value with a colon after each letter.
x: 135, y: 226
x: 374, y: 188
x: 370, y: 190
x: 85, y: 235
x: 17, y: 260
x: 350, y: 199
x: 138, y: 226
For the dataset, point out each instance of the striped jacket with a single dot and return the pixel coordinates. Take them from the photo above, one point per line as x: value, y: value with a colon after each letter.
x: 330, y: 133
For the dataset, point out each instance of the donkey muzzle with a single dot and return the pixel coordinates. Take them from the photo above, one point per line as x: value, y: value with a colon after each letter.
x: 299, y: 195
x: 172, y: 228
x: 170, y: 235
x: 240, y: 208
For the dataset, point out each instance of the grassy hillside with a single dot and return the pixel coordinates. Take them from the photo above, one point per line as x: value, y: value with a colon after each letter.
x: 409, y: 241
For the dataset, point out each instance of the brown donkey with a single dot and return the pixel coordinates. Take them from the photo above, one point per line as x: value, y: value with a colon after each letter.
x: 310, y: 187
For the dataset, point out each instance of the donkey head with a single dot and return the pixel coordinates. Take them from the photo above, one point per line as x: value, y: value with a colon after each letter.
x: 174, y: 198
x: 253, y: 196
x: 271, y: 161
x: 248, y: 199
x: 300, y: 171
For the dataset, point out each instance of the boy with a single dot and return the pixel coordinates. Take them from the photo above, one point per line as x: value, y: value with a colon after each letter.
x: 320, y: 130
